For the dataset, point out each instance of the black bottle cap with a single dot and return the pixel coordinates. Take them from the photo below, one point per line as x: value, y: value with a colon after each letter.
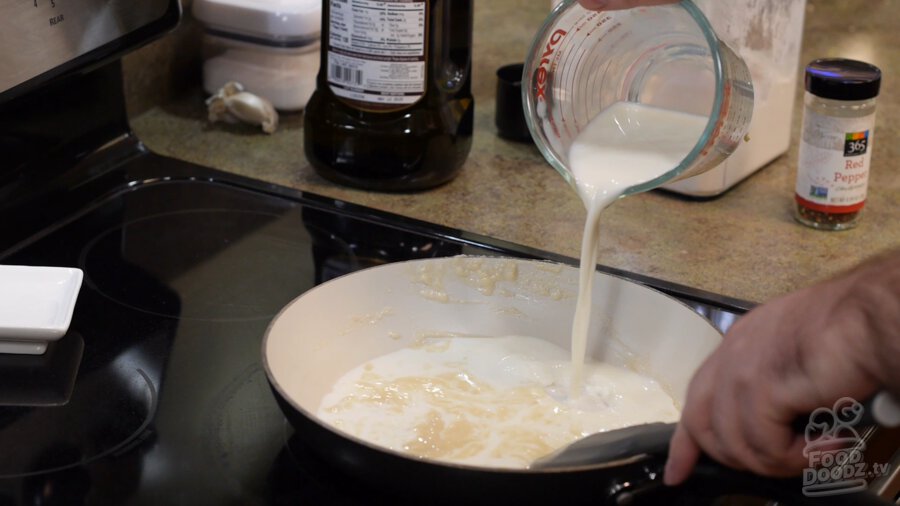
x: 842, y: 79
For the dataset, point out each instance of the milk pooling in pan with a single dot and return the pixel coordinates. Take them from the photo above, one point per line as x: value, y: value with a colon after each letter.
x: 627, y: 144
x: 487, y: 401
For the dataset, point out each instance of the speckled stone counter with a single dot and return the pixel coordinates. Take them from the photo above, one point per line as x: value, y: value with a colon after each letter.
x: 743, y: 244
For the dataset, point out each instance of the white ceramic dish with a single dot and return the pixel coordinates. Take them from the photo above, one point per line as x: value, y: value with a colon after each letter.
x: 36, y: 305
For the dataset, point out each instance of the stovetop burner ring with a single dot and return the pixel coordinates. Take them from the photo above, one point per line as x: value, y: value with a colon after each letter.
x: 134, y: 438
x: 211, y: 264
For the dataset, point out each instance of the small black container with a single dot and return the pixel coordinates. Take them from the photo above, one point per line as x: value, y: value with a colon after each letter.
x: 510, y: 114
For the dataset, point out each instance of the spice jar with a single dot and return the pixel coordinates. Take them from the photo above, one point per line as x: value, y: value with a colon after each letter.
x: 836, y: 142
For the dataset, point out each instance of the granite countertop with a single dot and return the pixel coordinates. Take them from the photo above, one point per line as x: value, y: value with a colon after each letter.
x: 742, y: 244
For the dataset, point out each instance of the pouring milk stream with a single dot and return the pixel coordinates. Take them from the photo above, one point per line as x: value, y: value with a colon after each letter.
x: 625, y: 145
x: 624, y: 101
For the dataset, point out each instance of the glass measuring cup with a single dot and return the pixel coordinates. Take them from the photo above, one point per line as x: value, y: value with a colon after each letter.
x: 667, y: 56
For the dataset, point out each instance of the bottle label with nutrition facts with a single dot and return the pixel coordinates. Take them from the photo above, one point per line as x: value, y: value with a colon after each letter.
x: 377, y: 50
x: 833, y: 163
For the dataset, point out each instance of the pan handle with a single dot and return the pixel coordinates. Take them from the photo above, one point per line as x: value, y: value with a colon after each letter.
x: 712, y: 481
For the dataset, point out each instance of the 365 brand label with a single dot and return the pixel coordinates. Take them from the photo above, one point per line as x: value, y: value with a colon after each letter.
x: 833, y: 164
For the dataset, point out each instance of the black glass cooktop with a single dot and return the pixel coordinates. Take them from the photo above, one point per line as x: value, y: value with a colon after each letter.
x: 156, y: 396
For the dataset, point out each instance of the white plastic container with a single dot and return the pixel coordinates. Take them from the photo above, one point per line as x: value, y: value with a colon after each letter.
x: 271, y: 47
x: 767, y: 35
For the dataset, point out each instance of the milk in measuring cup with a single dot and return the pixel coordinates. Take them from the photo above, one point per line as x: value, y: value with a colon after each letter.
x: 628, y: 144
x: 625, y: 145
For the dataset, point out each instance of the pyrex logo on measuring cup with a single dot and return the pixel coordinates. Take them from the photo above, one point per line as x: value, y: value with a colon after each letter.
x: 541, y: 73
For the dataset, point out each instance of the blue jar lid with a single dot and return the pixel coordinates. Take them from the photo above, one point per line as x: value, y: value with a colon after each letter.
x: 842, y: 79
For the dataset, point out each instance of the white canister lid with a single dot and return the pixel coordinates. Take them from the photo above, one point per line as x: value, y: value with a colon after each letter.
x: 279, y: 22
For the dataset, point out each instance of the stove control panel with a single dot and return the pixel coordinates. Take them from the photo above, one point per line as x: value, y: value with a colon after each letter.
x: 40, y: 36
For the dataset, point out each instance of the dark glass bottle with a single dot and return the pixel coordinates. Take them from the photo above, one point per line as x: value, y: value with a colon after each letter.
x: 393, y: 107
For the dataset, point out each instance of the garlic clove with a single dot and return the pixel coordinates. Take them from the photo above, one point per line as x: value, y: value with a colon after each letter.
x: 253, y: 109
x: 231, y: 104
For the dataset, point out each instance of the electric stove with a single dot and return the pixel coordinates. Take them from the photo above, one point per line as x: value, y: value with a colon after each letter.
x: 156, y: 395
x: 162, y: 398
